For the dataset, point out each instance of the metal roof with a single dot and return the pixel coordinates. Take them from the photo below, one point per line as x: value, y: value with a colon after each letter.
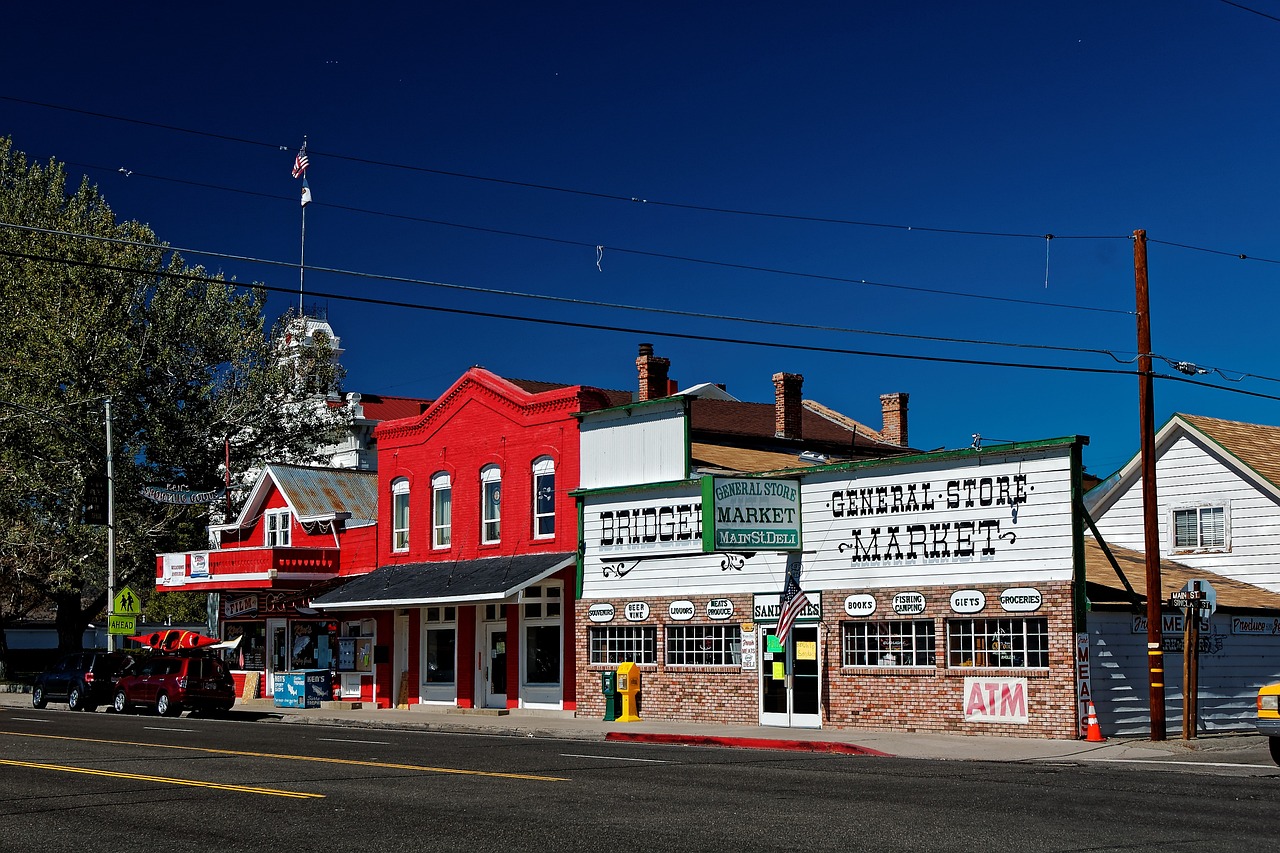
x: 320, y: 492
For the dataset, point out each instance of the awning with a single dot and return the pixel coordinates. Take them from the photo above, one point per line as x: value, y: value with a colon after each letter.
x: 444, y: 582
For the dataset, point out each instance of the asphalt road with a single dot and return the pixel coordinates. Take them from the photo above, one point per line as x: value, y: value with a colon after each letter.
x: 124, y: 782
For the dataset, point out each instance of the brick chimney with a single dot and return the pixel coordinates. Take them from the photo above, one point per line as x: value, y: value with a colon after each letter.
x: 893, y: 409
x: 786, y: 405
x: 653, y: 375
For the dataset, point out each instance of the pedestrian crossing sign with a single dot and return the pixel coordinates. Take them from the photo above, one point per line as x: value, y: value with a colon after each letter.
x: 126, y: 603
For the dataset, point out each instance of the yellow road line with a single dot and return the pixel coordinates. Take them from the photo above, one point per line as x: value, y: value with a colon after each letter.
x: 316, y: 758
x: 168, y: 780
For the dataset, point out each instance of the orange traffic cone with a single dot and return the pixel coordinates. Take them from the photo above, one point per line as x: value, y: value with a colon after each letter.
x: 1093, y: 731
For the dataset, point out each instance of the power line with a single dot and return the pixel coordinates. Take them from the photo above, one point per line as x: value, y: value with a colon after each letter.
x: 562, y: 299
x: 638, y: 252
x: 1254, y: 11
x: 387, y: 164
x: 490, y: 315
x: 1238, y: 255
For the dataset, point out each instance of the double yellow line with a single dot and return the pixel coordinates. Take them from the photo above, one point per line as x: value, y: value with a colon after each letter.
x: 246, y: 754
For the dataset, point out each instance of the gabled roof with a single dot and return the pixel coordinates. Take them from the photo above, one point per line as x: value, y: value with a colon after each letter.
x: 379, y: 407
x: 316, y: 494
x: 819, y: 425
x: 1104, y: 585
x: 1253, y: 450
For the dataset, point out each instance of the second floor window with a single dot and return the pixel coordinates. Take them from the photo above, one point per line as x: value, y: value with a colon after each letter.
x: 441, y: 510
x: 490, y: 504
x: 1197, y: 528
x: 277, y: 521
x: 400, y: 515
x: 544, y: 498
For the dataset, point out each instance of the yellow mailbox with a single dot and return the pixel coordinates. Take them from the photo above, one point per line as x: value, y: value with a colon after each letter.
x: 628, y: 687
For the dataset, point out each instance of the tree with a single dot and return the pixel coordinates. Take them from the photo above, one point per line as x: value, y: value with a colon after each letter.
x: 98, y: 309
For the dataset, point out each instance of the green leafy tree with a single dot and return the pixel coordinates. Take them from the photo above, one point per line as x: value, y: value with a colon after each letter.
x: 97, y: 309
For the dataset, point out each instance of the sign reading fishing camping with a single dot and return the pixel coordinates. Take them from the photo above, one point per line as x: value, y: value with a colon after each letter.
x: 751, y: 514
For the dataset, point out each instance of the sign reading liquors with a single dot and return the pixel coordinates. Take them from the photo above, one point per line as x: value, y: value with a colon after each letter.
x: 680, y: 611
x: 750, y: 514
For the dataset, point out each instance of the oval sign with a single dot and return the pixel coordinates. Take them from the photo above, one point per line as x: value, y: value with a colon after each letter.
x: 908, y: 603
x: 1022, y: 599
x: 637, y: 611
x: 968, y: 601
x: 719, y: 608
x: 860, y: 605
x: 680, y: 611
x: 600, y: 613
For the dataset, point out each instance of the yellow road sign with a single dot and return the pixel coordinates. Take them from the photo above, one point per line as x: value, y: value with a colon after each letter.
x: 126, y: 603
x: 118, y: 624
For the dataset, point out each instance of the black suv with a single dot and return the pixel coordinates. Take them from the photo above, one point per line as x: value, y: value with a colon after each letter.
x: 83, y: 680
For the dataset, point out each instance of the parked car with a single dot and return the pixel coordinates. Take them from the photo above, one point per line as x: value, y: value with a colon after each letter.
x: 171, y: 684
x: 84, y: 680
x: 1268, y: 722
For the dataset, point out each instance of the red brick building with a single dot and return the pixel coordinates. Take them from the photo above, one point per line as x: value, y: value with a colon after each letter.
x: 473, y: 597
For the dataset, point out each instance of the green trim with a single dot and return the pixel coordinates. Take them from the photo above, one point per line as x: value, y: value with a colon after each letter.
x: 581, y: 549
x: 708, y: 521
x: 1226, y: 452
x: 1076, y: 441
x: 641, y: 487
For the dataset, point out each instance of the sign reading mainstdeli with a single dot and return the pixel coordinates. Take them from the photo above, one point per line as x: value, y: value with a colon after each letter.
x: 751, y: 514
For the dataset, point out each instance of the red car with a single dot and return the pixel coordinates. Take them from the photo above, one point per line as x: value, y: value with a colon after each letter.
x: 172, y: 684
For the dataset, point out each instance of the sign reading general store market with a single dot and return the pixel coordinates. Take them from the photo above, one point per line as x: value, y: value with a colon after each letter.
x: 750, y: 514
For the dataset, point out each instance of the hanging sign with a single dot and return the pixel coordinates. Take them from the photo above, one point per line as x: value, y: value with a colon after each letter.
x: 182, y: 497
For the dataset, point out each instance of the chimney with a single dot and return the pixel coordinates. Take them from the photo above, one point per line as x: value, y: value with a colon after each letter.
x: 653, y: 375
x: 786, y: 404
x: 893, y: 408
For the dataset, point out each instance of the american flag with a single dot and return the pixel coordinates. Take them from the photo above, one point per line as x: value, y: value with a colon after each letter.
x: 793, y: 602
x: 300, y: 162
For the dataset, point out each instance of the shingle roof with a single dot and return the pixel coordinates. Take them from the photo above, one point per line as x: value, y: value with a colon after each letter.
x: 1105, y: 586
x: 485, y: 579
x: 1255, y: 445
x: 735, y: 419
x: 533, y: 386
x: 378, y: 407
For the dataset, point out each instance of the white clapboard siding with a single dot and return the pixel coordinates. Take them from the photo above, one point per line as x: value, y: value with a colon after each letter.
x: 1037, y: 546
x: 644, y: 443
x: 1228, y: 685
x: 1188, y: 474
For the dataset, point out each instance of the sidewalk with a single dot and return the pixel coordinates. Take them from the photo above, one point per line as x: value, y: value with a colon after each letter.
x: 558, y: 725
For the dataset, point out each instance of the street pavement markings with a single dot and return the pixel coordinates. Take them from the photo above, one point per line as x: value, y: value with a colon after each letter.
x: 350, y: 740
x: 1160, y: 761
x: 315, y: 758
x: 166, y: 729
x: 167, y: 780
x: 614, y: 758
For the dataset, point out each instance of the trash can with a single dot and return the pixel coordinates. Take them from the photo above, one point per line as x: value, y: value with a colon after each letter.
x: 609, y: 687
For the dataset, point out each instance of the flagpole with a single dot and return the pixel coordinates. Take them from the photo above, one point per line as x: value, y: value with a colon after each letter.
x: 300, y: 164
x: 302, y: 260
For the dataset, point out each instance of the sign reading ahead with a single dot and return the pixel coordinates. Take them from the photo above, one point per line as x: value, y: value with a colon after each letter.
x: 125, y: 625
x: 749, y: 514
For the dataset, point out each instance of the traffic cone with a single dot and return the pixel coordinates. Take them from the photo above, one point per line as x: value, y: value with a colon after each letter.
x: 1093, y: 733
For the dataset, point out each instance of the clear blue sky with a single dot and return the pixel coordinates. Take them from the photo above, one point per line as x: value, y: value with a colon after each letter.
x: 1082, y: 120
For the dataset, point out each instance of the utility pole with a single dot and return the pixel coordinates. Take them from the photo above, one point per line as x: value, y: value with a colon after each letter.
x: 1150, y: 518
x: 111, y: 530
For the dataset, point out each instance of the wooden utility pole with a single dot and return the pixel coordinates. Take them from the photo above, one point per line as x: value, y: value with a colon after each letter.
x: 1150, y: 517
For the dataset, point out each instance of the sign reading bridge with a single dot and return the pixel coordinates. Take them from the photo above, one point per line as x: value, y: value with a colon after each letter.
x: 751, y: 514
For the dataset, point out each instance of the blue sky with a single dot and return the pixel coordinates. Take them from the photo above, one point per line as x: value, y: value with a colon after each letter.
x: 494, y: 146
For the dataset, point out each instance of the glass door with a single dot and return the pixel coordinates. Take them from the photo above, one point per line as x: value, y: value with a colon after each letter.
x: 277, y: 653
x: 495, y: 665
x: 790, y: 679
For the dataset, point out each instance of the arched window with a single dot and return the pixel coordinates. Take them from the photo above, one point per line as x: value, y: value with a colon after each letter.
x: 490, y: 504
x: 544, y: 497
x: 441, y: 510
x: 400, y: 515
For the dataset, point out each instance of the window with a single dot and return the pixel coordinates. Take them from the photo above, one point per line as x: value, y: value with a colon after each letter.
x: 490, y: 504
x: 1001, y: 643
x: 400, y: 515
x: 441, y: 645
x: 704, y: 645
x: 1196, y: 528
x: 278, y: 528
x: 542, y: 633
x: 441, y: 510
x: 619, y: 645
x: 899, y: 643
x: 544, y: 497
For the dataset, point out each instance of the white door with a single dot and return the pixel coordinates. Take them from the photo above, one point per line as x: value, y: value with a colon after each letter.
x: 493, y: 679
x: 790, y: 679
x: 277, y: 654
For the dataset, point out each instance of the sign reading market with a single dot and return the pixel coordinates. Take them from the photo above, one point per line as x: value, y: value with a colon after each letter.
x: 751, y: 514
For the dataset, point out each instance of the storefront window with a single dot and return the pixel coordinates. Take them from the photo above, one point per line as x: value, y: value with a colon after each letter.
x: 251, y: 654
x: 897, y: 643
x: 542, y: 654
x: 704, y: 645
x: 312, y: 644
x: 619, y: 645
x: 998, y: 643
